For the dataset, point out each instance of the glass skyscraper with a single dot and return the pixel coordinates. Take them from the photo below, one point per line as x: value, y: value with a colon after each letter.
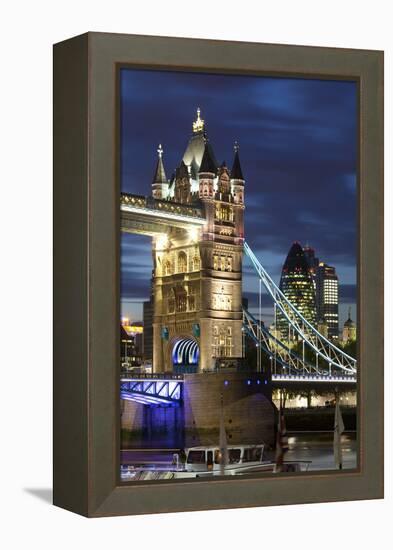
x: 297, y: 285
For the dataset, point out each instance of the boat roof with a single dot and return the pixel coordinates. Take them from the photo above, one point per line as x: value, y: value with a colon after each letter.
x: 209, y: 447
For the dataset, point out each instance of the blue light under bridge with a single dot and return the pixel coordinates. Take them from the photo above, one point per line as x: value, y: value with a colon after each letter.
x: 150, y: 390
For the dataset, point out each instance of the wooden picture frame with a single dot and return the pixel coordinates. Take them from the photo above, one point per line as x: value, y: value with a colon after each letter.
x: 86, y: 273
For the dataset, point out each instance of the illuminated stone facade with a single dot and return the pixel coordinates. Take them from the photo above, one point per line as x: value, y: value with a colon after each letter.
x: 197, y: 275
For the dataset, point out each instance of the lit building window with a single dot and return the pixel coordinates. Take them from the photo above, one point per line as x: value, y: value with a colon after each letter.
x: 181, y: 302
x: 191, y: 303
x: 196, y: 265
x: 182, y: 262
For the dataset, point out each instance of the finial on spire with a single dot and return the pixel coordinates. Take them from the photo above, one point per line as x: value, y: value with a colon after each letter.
x: 349, y: 312
x: 236, y: 172
x: 160, y: 151
x: 199, y: 124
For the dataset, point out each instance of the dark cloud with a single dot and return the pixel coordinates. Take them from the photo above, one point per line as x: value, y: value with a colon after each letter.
x: 298, y: 154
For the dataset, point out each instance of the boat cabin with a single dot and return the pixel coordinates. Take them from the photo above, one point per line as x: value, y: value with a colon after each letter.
x: 210, y: 458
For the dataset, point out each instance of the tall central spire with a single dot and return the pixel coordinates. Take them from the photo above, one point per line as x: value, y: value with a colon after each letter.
x: 199, y: 124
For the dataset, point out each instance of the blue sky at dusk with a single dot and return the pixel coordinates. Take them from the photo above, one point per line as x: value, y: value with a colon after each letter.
x: 298, y: 151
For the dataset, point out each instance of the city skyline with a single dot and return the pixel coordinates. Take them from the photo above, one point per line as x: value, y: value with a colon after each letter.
x: 292, y: 133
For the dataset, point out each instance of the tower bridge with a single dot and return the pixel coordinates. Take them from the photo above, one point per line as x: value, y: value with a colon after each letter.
x: 196, y: 222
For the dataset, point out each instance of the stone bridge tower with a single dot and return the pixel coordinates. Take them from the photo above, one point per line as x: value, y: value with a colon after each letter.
x: 197, y: 276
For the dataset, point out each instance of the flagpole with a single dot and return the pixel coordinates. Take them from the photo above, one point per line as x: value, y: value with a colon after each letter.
x: 223, y: 440
x: 338, y: 430
x: 282, y: 439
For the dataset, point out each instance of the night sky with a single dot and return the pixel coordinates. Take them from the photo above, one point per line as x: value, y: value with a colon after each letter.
x: 298, y: 151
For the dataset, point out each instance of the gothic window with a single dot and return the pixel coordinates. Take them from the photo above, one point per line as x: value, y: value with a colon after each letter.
x: 191, y: 303
x: 222, y: 263
x: 196, y: 265
x: 181, y: 301
x: 215, y: 262
x: 222, y: 341
x: 224, y: 184
x: 167, y: 268
x: 171, y: 302
x: 182, y: 262
x: 229, y: 263
x: 228, y: 346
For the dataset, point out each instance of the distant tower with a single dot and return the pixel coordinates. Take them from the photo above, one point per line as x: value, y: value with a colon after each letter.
x: 297, y: 285
x: 327, y: 298
x: 349, y: 330
x: 198, y: 274
x: 160, y: 183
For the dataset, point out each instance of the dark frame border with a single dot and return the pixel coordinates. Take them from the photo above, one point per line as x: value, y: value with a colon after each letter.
x: 86, y: 263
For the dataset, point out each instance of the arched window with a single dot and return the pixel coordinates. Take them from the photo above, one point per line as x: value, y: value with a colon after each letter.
x: 196, y: 264
x: 181, y: 300
x: 167, y: 268
x: 171, y: 301
x: 182, y: 262
x: 191, y: 303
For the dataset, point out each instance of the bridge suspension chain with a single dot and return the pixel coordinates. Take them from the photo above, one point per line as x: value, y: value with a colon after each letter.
x: 276, y: 350
x: 308, y: 335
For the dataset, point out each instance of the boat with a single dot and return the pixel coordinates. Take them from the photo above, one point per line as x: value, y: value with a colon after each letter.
x: 240, y: 459
x: 205, y: 461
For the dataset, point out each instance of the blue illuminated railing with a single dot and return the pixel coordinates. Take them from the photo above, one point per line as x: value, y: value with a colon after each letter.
x: 152, y: 391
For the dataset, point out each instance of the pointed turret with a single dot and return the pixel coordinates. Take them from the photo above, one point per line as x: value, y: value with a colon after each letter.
x: 236, y: 172
x: 208, y: 165
x: 159, y: 176
x: 160, y: 182
x: 207, y: 172
x: 237, y: 178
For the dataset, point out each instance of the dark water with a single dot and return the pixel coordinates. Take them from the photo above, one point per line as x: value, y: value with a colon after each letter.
x: 313, y: 448
x: 317, y: 447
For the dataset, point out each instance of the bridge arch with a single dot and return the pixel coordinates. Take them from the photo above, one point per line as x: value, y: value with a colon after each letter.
x: 185, y: 354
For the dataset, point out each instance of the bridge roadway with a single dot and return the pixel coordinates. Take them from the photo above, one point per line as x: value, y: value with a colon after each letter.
x: 148, y: 216
x: 167, y: 388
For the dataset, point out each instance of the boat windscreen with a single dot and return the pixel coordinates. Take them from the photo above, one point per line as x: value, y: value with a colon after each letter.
x: 196, y: 457
x: 253, y: 454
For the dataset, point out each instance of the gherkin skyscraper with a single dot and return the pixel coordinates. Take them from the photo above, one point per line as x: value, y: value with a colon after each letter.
x: 297, y: 285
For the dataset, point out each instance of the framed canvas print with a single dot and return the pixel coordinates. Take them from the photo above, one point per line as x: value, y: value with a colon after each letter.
x: 218, y: 260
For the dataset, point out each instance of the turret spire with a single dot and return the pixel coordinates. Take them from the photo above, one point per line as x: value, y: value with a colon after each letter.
x: 160, y: 176
x: 208, y: 164
x: 236, y: 172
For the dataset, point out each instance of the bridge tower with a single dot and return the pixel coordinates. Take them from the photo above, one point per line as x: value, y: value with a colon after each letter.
x: 197, y: 276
